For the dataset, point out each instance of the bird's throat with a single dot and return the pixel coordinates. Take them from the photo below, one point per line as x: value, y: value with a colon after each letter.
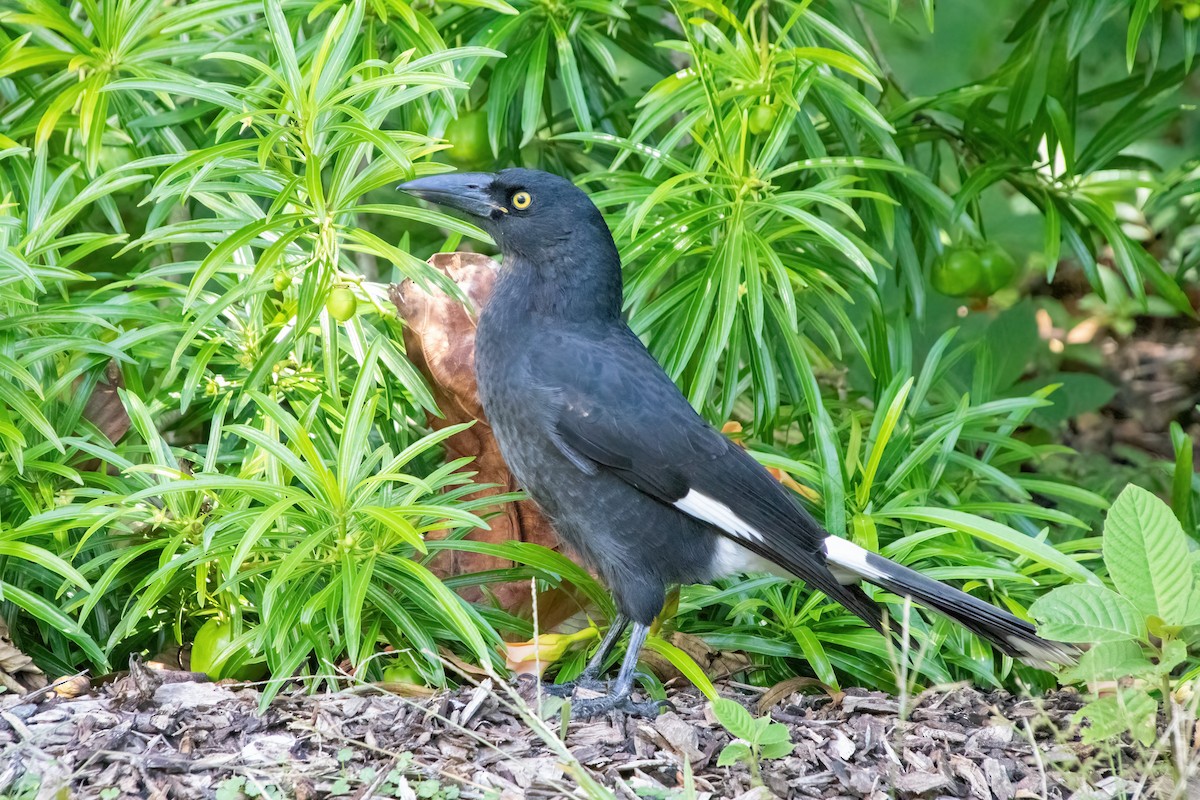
x: 575, y: 287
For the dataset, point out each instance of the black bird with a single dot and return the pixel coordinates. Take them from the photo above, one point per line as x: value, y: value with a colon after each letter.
x: 628, y: 473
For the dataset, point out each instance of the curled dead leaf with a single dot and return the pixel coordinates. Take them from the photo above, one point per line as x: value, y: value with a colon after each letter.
x: 105, y: 410
x: 72, y: 686
x: 172, y: 658
x: 439, y: 337
x: 18, y: 673
x: 784, y: 689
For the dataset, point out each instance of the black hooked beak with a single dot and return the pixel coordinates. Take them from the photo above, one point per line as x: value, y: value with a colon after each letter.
x: 465, y: 191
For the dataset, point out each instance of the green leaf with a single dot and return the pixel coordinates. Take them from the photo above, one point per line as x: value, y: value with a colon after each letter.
x: 886, y: 425
x: 735, y: 718
x: 1110, y: 661
x: 1146, y: 553
x: 44, y: 559
x: 815, y: 655
x: 780, y: 746
x: 531, y: 101
x: 1182, y: 495
x: 50, y: 614
x: 994, y: 533
x: 396, y: 520
x: 568, y: 71
x: 1174, y: 653
x: 494, y: 5
x: 1137, y: 21
x: 734, y: 753
x: 1131, y: 711
x: 684, y: 663
x: 1087, y: 613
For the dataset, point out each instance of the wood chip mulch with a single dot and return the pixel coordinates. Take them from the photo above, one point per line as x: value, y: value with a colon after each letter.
x: 149, y: 736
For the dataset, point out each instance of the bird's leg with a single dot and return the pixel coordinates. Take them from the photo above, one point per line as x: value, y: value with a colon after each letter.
x: 590, y: 677
x: 618, y: 697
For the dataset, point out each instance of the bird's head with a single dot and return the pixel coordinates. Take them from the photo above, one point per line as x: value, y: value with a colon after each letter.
x: 528, y: 212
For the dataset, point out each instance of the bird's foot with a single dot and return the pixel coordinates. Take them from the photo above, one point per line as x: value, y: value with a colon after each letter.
x: 588, y: 707
x: 585, y: 681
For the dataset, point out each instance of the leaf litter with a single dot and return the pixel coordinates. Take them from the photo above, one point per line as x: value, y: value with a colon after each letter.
x: 158, y: 734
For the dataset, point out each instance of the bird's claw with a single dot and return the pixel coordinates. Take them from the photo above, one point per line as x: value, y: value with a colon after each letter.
x: 586, y: 708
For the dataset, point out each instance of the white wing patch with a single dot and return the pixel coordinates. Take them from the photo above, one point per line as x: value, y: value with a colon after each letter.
x: 714, y: 512
x: 851, y: 558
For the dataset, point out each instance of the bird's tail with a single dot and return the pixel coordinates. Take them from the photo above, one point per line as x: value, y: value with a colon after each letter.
x: 1014, y: 636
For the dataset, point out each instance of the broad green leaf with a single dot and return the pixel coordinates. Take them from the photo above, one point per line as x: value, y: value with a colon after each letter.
x: 1087, y: 613
x: 1131, y: 711
x: 735, y: 718
x: 1146, y: 553
x: 1110, y: 661
x: 734, y: 753
x: 1174, y: 653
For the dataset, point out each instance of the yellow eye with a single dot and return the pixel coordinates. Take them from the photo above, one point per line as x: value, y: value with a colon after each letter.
x: 522, y: 200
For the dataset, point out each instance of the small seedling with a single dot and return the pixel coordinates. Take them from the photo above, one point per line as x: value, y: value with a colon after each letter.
x: 230, y: 788
x: 757, y: 739
x: 1136, y: 628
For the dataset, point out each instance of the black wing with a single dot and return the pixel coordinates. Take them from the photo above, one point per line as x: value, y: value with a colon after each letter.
x: 618, y: 410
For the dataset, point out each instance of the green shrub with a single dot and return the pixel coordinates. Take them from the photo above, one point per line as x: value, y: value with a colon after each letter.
x: 190, y: 195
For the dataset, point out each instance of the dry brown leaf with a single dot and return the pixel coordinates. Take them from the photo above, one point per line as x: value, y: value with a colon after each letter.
x: 18, y: 673
x: 439, y: 336
x: 460, y: 666
x: 716, y: 664
x: 72, y: 686
x: 771, y: 697
x: 172, y: 658
x: 104, y: 408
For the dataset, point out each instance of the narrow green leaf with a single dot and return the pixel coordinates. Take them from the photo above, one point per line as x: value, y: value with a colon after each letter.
x: 684, y: 663
x: 997, y: 534
x: 568, y: 73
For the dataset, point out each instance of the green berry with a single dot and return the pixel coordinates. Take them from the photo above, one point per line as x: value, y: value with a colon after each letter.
x: 342, y: 304
x: 959, y: 273
x: 762, y: 119
x: 999, y: 268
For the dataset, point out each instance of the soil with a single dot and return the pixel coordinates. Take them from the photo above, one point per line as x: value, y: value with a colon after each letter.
x: 156, y: 734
